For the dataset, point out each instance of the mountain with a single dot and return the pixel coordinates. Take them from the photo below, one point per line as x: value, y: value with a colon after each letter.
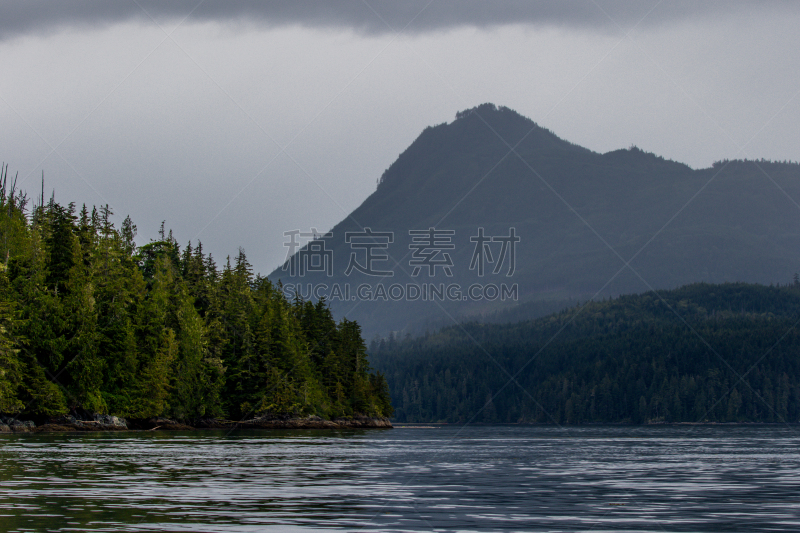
x: 579, y: 217
x: 700, y: 353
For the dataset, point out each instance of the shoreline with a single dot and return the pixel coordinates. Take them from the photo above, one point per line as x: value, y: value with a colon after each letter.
x: 105, y: 423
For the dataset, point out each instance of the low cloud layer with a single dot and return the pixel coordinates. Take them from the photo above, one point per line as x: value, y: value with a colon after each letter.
x: 191, y: 130
x: 23, y: 17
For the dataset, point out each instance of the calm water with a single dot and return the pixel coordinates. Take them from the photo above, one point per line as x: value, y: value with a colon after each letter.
x: 498, y: 478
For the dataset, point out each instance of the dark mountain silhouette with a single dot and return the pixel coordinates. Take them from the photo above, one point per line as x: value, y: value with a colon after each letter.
x: 579, y: 215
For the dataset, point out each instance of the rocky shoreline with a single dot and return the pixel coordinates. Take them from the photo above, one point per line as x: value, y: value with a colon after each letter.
x: 88, y: 423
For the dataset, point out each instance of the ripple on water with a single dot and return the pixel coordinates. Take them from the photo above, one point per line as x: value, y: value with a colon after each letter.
x: 682, y: 478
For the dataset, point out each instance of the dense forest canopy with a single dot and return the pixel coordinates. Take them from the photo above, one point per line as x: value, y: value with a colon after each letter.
x: 89, y: 321
x: 701, y: 353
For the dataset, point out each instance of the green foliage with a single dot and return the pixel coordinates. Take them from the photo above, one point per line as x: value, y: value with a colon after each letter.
x: 701, y: 353
x: 89, y: 321
x: 11, y: 369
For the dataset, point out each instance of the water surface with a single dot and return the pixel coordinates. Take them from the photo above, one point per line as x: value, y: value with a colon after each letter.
x: 488, y: 478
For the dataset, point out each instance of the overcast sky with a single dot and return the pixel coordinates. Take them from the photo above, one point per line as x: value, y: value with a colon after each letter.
x: 237, y: 121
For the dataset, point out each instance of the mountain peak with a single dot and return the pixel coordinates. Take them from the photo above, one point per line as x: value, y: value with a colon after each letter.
x: 478, y: 134
x: 491, y: 112
x: 577, y: 212
x: 481, y: 109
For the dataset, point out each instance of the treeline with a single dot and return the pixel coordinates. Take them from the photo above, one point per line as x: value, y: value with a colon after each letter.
x: 89, y: 321
x: 711, y: 353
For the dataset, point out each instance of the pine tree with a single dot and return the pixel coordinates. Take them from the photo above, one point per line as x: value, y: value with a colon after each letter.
x: 90, y: 321
x: 11, y: 369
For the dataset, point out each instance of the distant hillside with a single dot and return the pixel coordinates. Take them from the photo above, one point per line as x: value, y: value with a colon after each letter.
x: 579, y: 217
x: 632, y: 359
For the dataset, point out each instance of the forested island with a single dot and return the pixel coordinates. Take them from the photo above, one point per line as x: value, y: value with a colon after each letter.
x: 94, y: 328
x: 702, y: 353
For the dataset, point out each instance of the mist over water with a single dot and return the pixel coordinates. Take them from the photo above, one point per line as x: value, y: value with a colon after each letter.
x: 482, y: 478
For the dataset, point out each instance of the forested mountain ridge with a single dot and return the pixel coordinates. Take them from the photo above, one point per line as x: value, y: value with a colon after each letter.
x: 90, y: 322
x: 700, y: 353
x: 579, y: 215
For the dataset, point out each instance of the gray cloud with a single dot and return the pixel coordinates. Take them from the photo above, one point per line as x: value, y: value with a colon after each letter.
x: 21, y: 17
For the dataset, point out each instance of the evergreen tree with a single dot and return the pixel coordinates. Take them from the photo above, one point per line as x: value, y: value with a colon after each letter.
x: 91, y: 321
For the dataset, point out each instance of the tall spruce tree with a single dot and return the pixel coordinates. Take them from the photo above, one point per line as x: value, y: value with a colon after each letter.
x: 90, y: 321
